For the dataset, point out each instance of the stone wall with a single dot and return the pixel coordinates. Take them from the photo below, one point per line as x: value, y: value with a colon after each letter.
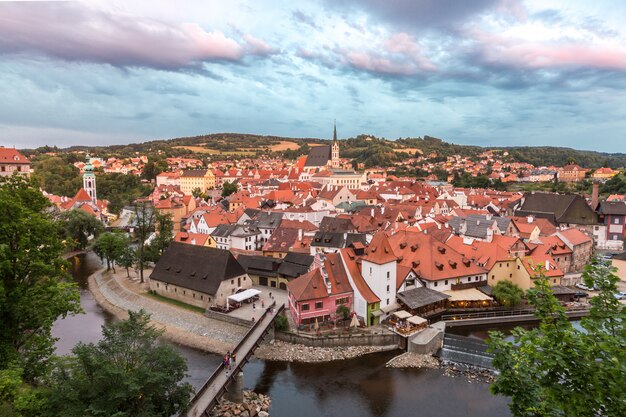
x: 336, y: 341
x: 194, y: 298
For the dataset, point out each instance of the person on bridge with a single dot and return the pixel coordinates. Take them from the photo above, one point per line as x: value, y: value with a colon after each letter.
x: 233, y: 358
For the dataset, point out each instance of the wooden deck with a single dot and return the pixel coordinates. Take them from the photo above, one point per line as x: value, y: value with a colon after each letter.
x: 216, y: 385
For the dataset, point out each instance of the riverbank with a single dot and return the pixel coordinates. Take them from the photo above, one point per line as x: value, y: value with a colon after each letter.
x: 413, y: 360
x: 253, y: 405
x: 180, y: 326
x: 290, y: 352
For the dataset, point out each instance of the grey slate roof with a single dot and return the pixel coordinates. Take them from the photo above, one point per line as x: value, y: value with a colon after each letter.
x: 267, y: 220
x: 318, y: 156
x: 420, y: 297
x: 295, y: 264
x: 558, y: 208
x: 224, y: 230
x: 617, y: 208
x: 477, y: 225
x: 260, y: 265
x: 197, y: 268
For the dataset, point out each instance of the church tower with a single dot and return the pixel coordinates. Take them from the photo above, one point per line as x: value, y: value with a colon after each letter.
x: 89, y: 181
x: 335, y: 150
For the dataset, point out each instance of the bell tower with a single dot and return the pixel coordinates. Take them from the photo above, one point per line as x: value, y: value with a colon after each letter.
x: 335, y: 149
x: 89, y: 181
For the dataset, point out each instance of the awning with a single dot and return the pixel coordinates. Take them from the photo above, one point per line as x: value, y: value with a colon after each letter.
x: 391, y: 307
x: 469, y: 294
x: 244, y: 295
x: 377, y: 313
x: 402, y: 314
x: 416, y: 320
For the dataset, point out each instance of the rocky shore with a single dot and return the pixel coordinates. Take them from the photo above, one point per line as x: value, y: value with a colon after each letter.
x: 413, y: 360
x: 471, y: 374
x: 254, y: 405
x: 289, y: 352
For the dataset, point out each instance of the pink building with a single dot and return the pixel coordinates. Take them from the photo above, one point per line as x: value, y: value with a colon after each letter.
x: 318, y: 293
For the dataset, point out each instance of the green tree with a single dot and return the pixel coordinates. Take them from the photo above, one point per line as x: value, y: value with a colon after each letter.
x: 228, y: 189
x: 343, y: 311
x: 558, y: 370
x: 129, y: 373
x: 164, y: 236
x: 33, y: 290
x: 507, y: 294
x: 127, y: 258
x: 56, y: 176
x: 197, y: 192
x: 110, y: 247
x: 79, y: 226
x: 144, y: 221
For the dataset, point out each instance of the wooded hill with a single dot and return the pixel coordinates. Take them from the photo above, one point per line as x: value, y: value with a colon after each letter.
x: 366, y: 149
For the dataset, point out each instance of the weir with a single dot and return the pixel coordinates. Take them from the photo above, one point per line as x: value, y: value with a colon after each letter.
x: 230, y: 381
x: 466, y: 351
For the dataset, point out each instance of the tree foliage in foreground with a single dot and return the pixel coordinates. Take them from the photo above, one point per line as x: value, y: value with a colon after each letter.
x: 558, y: 370
x: 128, y: 373
x: 33, y: 292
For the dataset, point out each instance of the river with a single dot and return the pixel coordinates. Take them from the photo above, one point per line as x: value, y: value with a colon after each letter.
x: 356, y: 387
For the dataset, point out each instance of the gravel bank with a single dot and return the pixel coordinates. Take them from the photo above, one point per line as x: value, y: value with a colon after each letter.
x: 254, y: 405
x: 289, y: 352
x: 413, y: 360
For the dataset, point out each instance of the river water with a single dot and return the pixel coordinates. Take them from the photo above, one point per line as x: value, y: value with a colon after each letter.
x: 356, y: 387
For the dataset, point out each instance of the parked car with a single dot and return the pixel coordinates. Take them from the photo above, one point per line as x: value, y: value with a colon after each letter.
x: 583, y: 287
x: 620, y: 295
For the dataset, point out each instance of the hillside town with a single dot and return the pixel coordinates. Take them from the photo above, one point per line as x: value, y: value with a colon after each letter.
x: 375, y: 244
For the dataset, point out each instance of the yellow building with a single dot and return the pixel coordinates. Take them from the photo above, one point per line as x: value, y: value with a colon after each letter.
x: 191, y: 179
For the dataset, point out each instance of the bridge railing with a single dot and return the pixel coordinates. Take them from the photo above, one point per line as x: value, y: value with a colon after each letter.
x: 485, y: 314
x: 220, y: 367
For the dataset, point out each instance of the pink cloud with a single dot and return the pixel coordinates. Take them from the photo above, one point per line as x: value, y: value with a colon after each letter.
x: 535, y: 55
x: 396, y: 55
x: 257, y: 46
x: 74, y: 32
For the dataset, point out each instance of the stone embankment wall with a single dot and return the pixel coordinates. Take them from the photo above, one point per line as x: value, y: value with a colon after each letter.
x: 338, y: 341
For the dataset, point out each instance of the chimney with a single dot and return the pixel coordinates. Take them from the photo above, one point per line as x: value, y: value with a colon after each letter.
x: 547, y: 265
x: 300, y: 234
x: 530, y: 219
x: 594, y: 195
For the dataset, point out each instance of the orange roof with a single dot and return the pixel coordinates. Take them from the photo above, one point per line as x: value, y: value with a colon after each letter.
x: 309, y: 286
x: 575, y: 236
x: 535, y: 264
x: 10, y: 155
x: 337, y: 274
x: 304, y: 225
x: 431, y: 259
x: 82, y: 195
x: 191, y: 238
x: 379, y: 250
x: 350, y: 259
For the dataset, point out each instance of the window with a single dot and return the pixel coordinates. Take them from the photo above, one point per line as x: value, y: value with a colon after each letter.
x: 304, y: 307
x: 387, y: 301
x: 370, y: 270
x: 446, y: 282
x: 493, y: 277
x: 157, y: 285
x: 510, y: 275
x: 319, y: 305
x: 517, y: 266
x: 342, y: 300
x: 616, y: 220
x: 435, y: 283
x: 388, y: 274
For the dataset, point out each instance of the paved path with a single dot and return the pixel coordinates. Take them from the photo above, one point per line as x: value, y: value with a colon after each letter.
x: 119, y: 296
x: 215, y: 386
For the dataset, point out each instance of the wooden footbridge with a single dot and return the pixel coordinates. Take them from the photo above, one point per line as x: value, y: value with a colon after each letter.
x: 217, y: 384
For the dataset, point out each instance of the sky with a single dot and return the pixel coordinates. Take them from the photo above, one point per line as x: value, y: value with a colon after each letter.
x: 482, y: 72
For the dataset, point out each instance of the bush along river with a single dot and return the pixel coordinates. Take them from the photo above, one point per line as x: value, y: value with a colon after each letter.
x: 354, y: 387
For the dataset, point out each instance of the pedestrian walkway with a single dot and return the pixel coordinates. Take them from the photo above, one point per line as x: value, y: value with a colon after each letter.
x: 117, y: 295
x: 216, y: 385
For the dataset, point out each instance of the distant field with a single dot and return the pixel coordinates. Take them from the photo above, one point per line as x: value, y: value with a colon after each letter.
x: 198, y: 149
x: 283, y: 145
x: 409, y: 150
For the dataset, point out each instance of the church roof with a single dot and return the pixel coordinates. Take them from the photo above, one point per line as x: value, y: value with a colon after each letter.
x: 318, y: 156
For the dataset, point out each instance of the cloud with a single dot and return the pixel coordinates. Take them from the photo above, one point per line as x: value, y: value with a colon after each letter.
x: 423, y: 13
x: 73, y: 32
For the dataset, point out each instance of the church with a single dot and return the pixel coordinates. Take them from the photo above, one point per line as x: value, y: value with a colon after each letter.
x: 324, y: 156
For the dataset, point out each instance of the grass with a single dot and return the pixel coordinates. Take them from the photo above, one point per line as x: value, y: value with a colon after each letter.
x: 201, y: 149
x: 175, y: 303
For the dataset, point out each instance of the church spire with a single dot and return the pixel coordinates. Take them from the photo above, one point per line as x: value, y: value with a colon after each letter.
x: 335, y: 132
